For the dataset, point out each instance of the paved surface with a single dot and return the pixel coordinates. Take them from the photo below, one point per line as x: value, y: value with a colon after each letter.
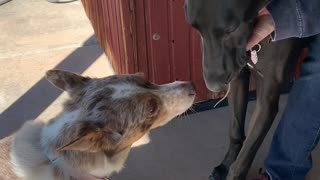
x: 189, y: 147
x: 37, y: 36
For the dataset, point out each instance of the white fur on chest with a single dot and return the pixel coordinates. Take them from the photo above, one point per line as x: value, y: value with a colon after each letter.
x: 104, y: 169
x: 109, y: 165
x: 40, y: 174
x: 27, y: 155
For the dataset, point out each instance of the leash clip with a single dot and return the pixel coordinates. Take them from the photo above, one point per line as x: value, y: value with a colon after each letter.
x: 254, y: 59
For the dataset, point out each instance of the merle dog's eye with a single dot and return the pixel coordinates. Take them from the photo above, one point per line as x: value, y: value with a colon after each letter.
x: 152, y: 107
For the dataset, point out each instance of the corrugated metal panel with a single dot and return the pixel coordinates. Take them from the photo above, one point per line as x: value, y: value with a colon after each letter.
x: 177, y: 54
x: 111, y: 29
x: 149, y: 36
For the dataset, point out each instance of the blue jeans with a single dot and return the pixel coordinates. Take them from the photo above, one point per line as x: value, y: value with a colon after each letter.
x: 298, y: 131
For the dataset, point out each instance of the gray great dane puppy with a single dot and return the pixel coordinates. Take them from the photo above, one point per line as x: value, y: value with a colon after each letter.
x: 225, y: 28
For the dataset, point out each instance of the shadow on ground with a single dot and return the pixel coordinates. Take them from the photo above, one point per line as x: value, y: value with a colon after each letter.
x: 42, y: 94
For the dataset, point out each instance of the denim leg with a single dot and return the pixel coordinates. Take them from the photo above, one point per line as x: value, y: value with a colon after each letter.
x: 298, y: 131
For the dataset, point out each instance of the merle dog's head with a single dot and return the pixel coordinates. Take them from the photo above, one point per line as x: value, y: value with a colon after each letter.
x: 225, y: 28
x: 110, y: 114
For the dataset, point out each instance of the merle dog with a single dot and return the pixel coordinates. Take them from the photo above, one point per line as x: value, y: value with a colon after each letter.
x: 225, y: 28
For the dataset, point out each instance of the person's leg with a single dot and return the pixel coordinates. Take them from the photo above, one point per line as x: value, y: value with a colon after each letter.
x: 298, y: 131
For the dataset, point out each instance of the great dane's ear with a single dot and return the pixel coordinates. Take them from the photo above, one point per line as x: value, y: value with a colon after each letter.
x: 66, y: 81
x: 254, y: 8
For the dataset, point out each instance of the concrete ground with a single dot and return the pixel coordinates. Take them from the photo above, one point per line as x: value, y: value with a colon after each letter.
x: 36, y: 36
x: 189, y: 147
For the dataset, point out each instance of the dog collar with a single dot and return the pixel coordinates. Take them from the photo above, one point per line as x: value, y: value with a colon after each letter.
x: 55, y: 160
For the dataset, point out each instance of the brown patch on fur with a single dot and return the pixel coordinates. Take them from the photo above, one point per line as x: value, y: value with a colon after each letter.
x: 114, y: 133
x: 141, y: 124
x: 89, y: 136
x: 6, y: 171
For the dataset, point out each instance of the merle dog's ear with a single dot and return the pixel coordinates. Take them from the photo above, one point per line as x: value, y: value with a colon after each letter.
x: 254, y: 8
x: 66, y: 81
x: 90, y: 137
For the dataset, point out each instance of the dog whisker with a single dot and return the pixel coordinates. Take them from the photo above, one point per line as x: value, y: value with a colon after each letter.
x: 192, y: 109
x: 224, y: 97
x: 188, y: 117
x: 185, y: 115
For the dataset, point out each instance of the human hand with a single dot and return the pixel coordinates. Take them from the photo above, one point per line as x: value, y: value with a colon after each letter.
x: 263, y: 27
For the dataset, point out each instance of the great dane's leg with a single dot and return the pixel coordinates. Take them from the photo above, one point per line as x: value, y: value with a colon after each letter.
x: 268, y: 93
x: 238, y: 100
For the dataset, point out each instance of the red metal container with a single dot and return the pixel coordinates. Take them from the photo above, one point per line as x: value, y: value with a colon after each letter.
x: 150, y: 36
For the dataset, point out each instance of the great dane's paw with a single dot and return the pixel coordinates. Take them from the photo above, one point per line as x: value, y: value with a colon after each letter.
x: 219, y: 173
